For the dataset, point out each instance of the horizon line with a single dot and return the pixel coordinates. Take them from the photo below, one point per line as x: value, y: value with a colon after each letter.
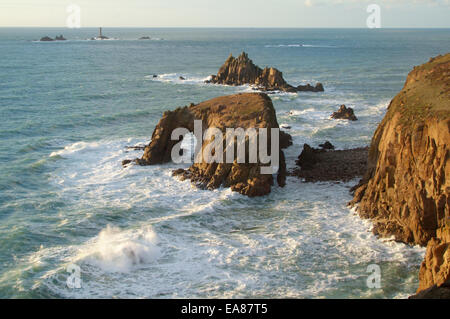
x: 217, y: 27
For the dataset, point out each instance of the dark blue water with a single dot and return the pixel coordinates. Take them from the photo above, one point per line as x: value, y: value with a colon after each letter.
x: 68, y: 110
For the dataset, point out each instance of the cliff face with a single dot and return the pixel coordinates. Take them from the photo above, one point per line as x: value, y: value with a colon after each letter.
x: 405, y: 190
x: 242, y: 70
x: 250, y: 110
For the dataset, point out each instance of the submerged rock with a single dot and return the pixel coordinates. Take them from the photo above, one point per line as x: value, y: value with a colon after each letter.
x: 405, y: 190
x: 247, y: 110
x: 242, y: 70
x: 344, y: 113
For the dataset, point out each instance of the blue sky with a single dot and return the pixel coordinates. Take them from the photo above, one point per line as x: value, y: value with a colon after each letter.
x: 226, y: 13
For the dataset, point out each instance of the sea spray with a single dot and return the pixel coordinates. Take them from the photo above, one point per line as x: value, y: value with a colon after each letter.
x: 116, y: 250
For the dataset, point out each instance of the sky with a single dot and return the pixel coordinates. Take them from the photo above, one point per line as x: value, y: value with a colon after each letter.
x: 226, y: 13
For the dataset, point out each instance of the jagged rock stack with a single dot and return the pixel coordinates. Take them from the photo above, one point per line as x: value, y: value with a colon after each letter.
x: 344, y: 113
x: 242, y: 70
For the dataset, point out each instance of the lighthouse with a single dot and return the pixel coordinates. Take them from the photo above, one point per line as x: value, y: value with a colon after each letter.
x: 100, y: 35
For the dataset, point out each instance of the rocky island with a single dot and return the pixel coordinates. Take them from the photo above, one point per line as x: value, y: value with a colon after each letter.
x: 242, y: 70
x: 344, y: 113
x: 247, y: 110
x: 57, y: 38
x: 405, y: 190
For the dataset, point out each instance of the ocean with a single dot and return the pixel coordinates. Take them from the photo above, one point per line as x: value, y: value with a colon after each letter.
x: 69, y: 109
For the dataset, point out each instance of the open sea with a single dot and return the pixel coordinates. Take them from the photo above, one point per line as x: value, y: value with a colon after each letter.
x: 69, y: 109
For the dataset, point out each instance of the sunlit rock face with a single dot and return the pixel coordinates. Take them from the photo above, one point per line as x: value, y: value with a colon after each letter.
x: 405, y: 190
x: 248, y: 110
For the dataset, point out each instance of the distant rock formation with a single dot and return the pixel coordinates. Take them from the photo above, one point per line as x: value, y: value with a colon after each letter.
x: 250, y: 110
x: 406, y: 188
x: 327, y: 164
x: 344, y: 113
x: 57, y: 38
x: 241, y: 70
x: 144, y: 38
x: 46, y: 39
x: 310, y: 88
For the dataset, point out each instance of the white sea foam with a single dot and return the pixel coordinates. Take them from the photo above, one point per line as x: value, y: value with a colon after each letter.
x: 176, y: 78
x: 298, y: 45
x: 75, y: 148
x: 301, y: 112
x: 378, y: 109
x: 115, y: 250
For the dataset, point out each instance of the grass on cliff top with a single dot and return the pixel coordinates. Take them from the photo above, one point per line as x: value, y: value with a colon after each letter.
x: 426, y: 94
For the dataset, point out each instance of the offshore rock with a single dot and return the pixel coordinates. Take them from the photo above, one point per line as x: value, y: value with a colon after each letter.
x: 327, y: 164
x: 344, y: 113
x: 249, y: 110
x: 46, y: 39
x: 242, y: 70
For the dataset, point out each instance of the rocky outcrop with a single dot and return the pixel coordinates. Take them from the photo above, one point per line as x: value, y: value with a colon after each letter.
x: 327, y: 145
x: 435, y: 269
x: 434, y: 292
x: 309, y: 88
x: 327, y: 164
x: 405, y: 190
x: 250, y: 110
x: 344, y: 113
x: 46, y: 39
x: 57, y: 38
x: 242, y: 70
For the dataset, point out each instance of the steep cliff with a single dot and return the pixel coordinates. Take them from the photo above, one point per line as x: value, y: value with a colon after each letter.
x: 249, y: 110
x: 405, y: 190
x: 242, y: 70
